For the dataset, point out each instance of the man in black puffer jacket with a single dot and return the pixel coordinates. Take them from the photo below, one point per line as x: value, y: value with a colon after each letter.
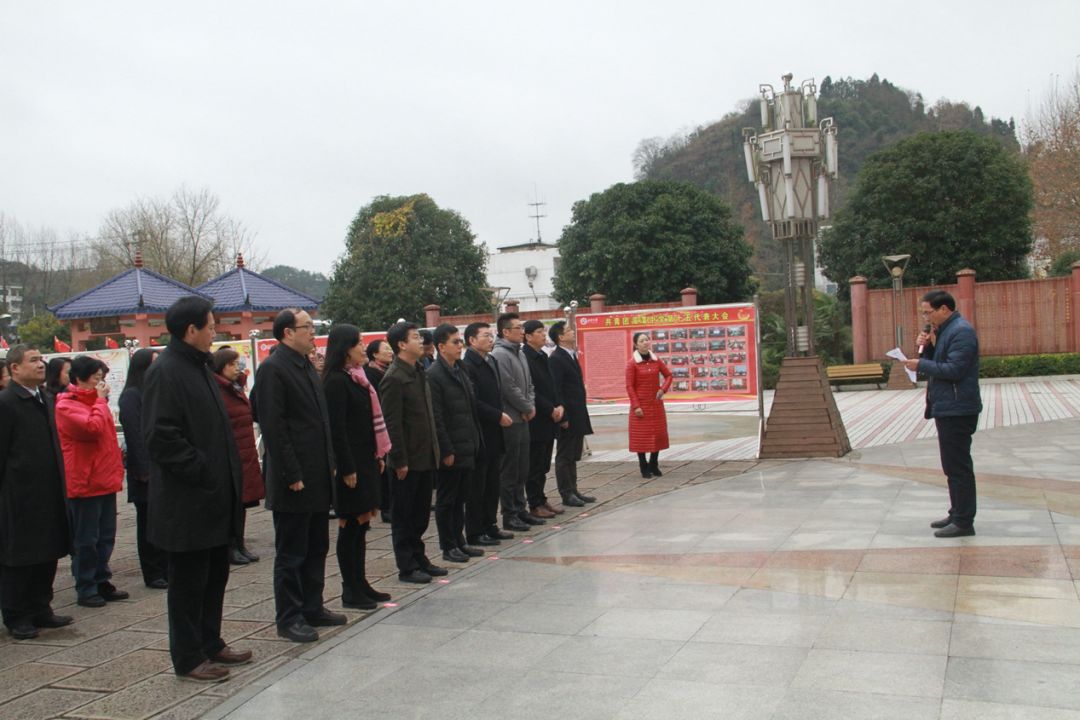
x: 950, y: 358
x: 454, y: 406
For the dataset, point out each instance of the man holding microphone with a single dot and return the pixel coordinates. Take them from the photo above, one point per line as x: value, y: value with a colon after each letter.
x: 950, y: 359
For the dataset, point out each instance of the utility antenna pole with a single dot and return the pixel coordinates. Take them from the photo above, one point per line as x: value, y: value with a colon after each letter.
x: 536, y: 216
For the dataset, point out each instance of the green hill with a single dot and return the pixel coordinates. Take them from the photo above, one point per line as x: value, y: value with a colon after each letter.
x: 870, y: 114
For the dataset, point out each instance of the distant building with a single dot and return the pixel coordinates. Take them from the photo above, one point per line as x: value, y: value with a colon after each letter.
x: 529, y: 271
x: 132, y: 305
x: 11, y: 297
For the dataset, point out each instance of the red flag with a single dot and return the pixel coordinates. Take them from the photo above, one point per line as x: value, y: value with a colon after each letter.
x: 110, y: 343
x: 3, y: 343
x: 59, y: 345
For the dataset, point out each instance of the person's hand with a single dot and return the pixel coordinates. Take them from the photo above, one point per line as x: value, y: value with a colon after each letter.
x: 565, y: 424
x: 382, y: 466
x: 103, y: 390
x: 350, y: 480
x: 639, y: 412
x: 659, y: 394
x: 924, y: 338
x: 297, y: 486
x: 448, y: 461
x: 529, y: 415
x: 557, y: 413
x: 912, y: 364
x: 506, y: 420
x: 401, y: 472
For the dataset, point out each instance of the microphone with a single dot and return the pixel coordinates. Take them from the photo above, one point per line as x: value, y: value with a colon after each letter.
x: 926, y: 329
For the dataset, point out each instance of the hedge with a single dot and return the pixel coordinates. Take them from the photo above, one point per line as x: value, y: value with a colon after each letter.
x: 1029, y: 365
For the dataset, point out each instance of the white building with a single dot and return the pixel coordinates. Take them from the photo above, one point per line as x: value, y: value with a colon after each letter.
x: 11, y: 298
x: 529, y: 271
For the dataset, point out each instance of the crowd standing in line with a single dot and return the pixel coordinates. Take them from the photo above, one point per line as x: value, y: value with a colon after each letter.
x: 456, y: 414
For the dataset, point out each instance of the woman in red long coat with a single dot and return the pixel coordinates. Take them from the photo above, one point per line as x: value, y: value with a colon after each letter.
x: 228, y: 374
x: 648, y: 422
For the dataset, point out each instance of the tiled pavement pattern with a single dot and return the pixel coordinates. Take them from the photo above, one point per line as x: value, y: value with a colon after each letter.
x: 879, y: 418
x: 776, y: 589
x: 810, y: 589
x: 114, y: 663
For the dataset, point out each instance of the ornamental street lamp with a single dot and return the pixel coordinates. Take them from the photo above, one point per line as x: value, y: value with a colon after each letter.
x: 896, y: 264
x: 791, y: 160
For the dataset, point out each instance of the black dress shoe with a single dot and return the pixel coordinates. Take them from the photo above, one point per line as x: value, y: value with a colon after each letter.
x: 655, y: 470
x: 158, y: 584
x: 415, y: 576
x: 53, y: 620
x: 951, y: 530
x: 22, y: 630
x: 357, y: 600
x: 365, y: 587
x: 455, y: 555
x: 325, y: 618
x: 471, y: 551
x: 237, y: 558
x: 108, y: 591
x: 484, y: 540
x: 515, y: 524
x: 436, y: 571
x: 531, y: 519
x: 646, y: 473
x: 585, y: 498
x: 573, y: 501
x: 943, y: 522
x: 299, y: 632
x: 498, y: 534
x: 92, y: 601
x: 252, y: 557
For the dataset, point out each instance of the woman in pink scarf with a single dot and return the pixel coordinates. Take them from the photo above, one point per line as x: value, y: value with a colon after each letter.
x: 360, y: 442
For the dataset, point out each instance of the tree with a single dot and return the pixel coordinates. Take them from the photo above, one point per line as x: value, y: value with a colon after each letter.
x: 314, y: 284
x: 643, y: 242
x: 40, y: 330
x: 1052, y: 147
x: 1062, y: 265
x: 950, y: 199
x: 402, y: 253
x: 187, y: 237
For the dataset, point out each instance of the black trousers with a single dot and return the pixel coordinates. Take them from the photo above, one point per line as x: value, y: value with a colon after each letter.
x: 301, y: 541
x: 26, y: 591
x: 567, y: 454
x: 482, y: 498
x: 153, y: 561
x: 539, y: 466
x: 450, y: 490
x: 411, y: 517
x: 196, y: 596
x: 954, y: 444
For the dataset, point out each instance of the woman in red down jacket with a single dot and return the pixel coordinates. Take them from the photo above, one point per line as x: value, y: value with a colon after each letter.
x: 227, y: 372
x: 648, y: 422
x: 94, y: 474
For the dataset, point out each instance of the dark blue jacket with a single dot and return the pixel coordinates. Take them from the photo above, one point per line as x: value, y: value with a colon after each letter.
x: 953, y: 369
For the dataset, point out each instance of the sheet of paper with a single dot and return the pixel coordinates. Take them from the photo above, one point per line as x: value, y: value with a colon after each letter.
x: 898, y: 354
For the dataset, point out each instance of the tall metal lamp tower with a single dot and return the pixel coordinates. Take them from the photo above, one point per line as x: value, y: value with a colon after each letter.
x: 791, y: 160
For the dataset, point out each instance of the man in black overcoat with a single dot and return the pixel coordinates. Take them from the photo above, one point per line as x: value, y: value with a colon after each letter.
x: 482, y: 494
x: 194, y: 494
x: 454, y: 407
x: 570, y: 385
x: 33, y: 519
x: 544, y: 425
x: 299, y: 471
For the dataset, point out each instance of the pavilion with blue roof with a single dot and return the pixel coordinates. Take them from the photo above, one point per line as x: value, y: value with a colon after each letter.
x: 132, y: 305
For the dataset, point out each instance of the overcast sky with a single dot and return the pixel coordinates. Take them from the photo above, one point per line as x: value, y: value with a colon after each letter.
x: 296, y: 114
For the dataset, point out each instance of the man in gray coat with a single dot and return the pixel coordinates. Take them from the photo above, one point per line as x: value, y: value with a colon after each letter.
x: 518, y: 403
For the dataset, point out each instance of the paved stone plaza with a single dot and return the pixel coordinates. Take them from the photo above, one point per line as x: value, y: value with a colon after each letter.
x: 734, y: 589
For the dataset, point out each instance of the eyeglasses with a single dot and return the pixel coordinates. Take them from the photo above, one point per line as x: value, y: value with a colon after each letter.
x: 305, y: 326
x: 456, y: 341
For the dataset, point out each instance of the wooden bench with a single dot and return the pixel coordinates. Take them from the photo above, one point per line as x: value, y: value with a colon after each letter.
x: 870, y: 372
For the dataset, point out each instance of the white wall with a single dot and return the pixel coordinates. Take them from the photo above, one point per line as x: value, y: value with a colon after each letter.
x: 507, y: 268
